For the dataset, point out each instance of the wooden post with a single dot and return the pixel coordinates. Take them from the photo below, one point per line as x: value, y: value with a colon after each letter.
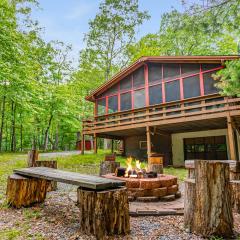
x: 112, y: 142
x: 95, y: 147
x: 213, y: 207
x: 32, y: 157
x: 82, y: 144
x: 148, y: 142
x: 232, y: 152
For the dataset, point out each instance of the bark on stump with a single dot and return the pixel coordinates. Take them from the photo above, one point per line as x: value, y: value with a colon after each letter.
x: 23, y: 192
x: 213, y: 208
x: 105, y: 212
x: 235, y: 189
x: 108, y: 167
x: 50, y: 164
x: 158, y: 168
x: 189, y: 203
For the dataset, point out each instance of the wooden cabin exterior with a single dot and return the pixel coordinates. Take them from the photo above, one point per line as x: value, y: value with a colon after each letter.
x: 169, y: 106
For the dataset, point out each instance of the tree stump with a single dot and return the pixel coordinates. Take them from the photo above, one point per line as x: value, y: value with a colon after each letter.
x: 158, y: 168
x: 235, y: 189
x: 213, y: 208
x: 50, y: 164
x: 104, y: 212
x: 189, y: 203
x: 108, y: 167
x: 32, y: 158
x: 23, y: 192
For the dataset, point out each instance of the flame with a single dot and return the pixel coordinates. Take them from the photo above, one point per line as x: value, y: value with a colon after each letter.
x: 129, y: 166
x: 138, y: 165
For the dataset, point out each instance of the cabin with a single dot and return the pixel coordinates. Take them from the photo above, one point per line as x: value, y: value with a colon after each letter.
x: 168, y: 106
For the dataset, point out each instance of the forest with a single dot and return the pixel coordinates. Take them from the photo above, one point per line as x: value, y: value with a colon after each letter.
x: 42, y: 93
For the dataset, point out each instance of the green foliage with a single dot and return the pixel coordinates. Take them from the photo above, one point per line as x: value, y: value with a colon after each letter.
x: 229, y: 79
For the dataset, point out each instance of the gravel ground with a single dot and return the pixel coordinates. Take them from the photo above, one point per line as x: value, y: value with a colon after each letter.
x: 58, y: 219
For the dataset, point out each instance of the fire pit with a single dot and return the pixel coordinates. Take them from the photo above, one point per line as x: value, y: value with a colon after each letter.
x: 146, y: 186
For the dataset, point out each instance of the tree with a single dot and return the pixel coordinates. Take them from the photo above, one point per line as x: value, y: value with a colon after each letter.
x: 112, y: 31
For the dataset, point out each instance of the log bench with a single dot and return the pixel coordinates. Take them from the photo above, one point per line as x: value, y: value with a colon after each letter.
x: 103, y: 203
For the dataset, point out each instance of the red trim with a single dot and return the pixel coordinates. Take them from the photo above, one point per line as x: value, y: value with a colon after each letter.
x: 146, y: 85
x: 201, y: 81
x: 163, y: 88
x: 181, y: 84
x: 119, y: 99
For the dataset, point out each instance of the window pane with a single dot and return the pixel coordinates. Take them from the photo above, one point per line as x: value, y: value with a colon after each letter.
x: 191, y: 86
x: 171, y: 70
x: 126, y: 101
x: 172, y: 91
x: 209, y: 83
x: 154, y: 72
x: 190, y: 68
x: 139, y: 98
x: 101, y: 106
x: 138, y: 78
x: 155, y: 94
x: 110, y: 91
x: 112, y: 104
x: 126, y: 83
x: 208, y: 66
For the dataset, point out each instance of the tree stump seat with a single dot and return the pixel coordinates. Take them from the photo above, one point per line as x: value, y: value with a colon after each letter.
x: 25, y: 191
x: 103, y: 203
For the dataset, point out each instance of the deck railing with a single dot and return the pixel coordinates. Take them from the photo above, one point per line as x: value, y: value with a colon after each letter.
x: 163, y: 112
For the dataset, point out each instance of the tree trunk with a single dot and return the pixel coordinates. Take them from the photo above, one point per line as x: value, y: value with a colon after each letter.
x: 46, y: 133
x: 104, y: 212
x: 189, y: 203
x: 213, y: 208
x: 23, y: 192
x: 13, y: 133
x: 50, y: 164
x: 2, y: 120
x: 108, y: 167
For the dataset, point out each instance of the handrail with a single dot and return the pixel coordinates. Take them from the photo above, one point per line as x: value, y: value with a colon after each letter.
x: 161, y: 112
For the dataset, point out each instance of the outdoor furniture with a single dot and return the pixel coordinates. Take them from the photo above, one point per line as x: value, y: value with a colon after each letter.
x: 103, y: 203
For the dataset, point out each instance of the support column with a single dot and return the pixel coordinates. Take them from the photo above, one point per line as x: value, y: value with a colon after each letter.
x: 82, y: 144
x: 112, y: 142
x: 95, y: 143
x: 232, y: 152
x: 148, y: 142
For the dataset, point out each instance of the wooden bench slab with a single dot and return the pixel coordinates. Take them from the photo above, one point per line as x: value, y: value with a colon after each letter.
x: 81, y: 180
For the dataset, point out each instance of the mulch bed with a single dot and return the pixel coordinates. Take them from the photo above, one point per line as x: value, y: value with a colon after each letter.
x: 57, y: 218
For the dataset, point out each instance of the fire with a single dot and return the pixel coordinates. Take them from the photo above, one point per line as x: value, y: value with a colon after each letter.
x: 138, y: 165
x: 129, y: 166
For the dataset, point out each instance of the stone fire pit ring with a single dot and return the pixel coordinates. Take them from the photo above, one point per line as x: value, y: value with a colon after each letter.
x: 163, y: 187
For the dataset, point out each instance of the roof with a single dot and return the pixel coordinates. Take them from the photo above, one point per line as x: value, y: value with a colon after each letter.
x: 160, y: 59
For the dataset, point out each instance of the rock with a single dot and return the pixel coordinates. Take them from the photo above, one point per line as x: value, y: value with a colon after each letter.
x: 168, y: 198
x: 159, y: 192
x: 178, y: 194
x: 147, y: 199
x: 172, y: 190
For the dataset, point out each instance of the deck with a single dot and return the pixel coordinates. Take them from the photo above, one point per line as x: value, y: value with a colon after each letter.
x: 205, y: 108
x: 81, y: 180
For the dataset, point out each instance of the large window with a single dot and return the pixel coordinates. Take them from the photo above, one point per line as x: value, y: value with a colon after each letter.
x: 172, y: 91
x: 191, y: 86
x: 166, y: 82
x: 101, y: 106
x: 112, y: 104
x: 126, y: 101
x: 139, y: 98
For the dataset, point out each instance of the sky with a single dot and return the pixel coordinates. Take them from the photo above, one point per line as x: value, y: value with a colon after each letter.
x: 67, y: 20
